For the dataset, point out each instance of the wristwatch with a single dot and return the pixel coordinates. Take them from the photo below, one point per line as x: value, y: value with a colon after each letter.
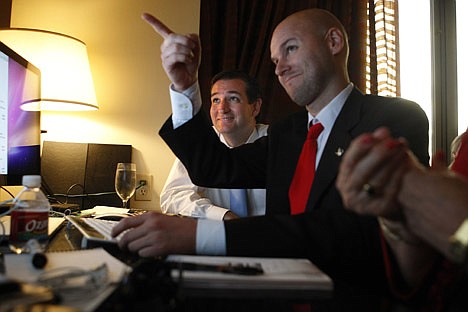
x: 459, y: 244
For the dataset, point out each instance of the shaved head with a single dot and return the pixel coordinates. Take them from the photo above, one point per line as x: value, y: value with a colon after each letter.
x: 310, y: 51
x: 317, y: 21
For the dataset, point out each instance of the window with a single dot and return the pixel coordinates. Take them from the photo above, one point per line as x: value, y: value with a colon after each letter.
x: 428, y: 68
x: 462, y: 64
x: 415, y: 55
x: 381, y: 70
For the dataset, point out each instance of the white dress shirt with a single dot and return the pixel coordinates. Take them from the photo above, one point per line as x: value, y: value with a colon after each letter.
x: 181, y: 196
x: 211, y: 236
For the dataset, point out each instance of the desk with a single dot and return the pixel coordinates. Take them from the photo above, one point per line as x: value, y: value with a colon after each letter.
x: 150, y: 287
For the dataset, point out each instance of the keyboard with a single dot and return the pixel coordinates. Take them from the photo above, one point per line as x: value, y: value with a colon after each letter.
x: 95, y: 231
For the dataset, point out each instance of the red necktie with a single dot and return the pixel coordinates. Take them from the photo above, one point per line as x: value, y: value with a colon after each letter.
x: 304, y: 175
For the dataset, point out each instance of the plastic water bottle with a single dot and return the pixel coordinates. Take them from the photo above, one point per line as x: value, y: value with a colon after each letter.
x: 30, y: 215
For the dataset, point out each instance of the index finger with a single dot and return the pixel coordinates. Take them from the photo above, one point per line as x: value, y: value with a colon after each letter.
x: 157, y: 25
x: 125, y: 224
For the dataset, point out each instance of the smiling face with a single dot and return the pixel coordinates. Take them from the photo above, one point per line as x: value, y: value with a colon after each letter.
x: 231, y: 113
x: 305, y: 48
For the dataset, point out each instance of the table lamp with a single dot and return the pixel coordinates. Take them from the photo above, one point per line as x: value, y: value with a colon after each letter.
x: 66, y: 80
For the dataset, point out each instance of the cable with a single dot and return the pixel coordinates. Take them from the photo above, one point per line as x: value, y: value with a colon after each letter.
x: 6, y: 190
x: 71, y: 188
x: 3, y: 236
x: 9, y: 210
x: 67, y: 195
x: 84, y: 195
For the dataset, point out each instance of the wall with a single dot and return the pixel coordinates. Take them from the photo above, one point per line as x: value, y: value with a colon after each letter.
x: 131, y: 86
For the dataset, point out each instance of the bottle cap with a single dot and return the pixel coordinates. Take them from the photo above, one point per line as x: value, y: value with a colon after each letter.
x: 32, y: 180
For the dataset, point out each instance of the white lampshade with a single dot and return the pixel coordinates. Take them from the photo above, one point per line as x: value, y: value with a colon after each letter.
x: 66, y: 80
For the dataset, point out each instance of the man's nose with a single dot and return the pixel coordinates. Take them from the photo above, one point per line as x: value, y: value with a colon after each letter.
x: 281, y: 67
x: 224, y: 106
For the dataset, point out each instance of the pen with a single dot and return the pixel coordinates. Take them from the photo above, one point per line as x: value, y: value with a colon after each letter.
x: 241, y: 269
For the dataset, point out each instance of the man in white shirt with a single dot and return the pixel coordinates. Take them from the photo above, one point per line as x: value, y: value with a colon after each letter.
x: 235, y: 103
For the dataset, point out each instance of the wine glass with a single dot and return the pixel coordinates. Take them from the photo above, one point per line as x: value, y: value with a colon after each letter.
x: 125, y: 181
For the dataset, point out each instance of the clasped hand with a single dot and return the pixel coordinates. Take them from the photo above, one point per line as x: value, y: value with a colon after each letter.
x: 374, y: 161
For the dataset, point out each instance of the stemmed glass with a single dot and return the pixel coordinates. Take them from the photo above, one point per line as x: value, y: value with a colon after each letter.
x: 125, y: 181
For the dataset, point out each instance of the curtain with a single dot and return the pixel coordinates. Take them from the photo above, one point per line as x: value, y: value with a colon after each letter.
x: 235, y: 34
x: 5, y: 13
x: 382, y: 61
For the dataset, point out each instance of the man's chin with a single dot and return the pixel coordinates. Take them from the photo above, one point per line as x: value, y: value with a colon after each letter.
x: 302, y: 100
x: 299, y: 101
x: 225, y: 129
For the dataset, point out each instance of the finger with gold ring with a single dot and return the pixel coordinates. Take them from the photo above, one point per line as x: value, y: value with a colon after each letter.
x: 369, y: 189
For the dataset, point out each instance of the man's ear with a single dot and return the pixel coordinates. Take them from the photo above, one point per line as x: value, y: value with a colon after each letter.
x: 257, y: 106
x: 335, y: 40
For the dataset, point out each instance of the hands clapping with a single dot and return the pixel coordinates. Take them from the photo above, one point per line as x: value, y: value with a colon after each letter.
x: 375, y: 161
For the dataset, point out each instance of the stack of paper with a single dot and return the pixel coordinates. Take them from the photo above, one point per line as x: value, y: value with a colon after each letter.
x: 282, y: 278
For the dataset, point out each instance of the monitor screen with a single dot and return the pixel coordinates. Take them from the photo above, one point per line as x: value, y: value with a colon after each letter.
x: 19, y: 129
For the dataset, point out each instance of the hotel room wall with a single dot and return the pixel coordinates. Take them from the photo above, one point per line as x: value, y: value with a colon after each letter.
x: 131, y: 86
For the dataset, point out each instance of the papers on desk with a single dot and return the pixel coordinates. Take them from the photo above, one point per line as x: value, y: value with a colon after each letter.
x: 19, y: 268
x: 282, y: 278
x: 98, y: 210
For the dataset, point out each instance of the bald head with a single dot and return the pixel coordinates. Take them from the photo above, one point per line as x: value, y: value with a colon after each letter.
x: 310, y: 51
x: 317, y: 22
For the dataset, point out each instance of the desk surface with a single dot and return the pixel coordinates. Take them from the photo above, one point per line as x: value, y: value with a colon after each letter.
x: 151, y: 286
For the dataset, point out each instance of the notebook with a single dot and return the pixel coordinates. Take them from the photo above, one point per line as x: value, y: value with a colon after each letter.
x: 279, y: 278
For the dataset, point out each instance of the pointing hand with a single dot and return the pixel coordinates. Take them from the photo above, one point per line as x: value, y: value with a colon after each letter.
x: 180, y: 54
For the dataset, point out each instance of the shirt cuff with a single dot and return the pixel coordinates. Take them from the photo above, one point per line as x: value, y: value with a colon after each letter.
x: 185, y: 104
x: 216, y: 213
x: 211, y: 238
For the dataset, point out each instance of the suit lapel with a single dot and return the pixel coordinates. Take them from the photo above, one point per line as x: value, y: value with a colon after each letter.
x: 339, y: 139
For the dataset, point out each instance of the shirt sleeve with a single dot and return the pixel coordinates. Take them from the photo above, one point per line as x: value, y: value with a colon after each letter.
x: 180, y: 196
x: 211, y: 238
x: 185, y: 105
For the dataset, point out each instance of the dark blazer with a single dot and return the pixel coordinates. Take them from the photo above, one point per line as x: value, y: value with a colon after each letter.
x: 341, y: 243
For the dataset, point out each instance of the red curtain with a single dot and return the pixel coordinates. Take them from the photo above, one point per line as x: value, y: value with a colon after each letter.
x: 235, y: 34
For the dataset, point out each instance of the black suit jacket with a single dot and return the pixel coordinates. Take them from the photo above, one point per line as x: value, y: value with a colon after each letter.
x: 343, y: 244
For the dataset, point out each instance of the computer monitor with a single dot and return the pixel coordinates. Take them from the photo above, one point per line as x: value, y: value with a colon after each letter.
x: 20, y: 130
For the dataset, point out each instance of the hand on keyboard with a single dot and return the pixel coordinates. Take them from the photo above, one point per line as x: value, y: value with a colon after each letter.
x: 95, y: 229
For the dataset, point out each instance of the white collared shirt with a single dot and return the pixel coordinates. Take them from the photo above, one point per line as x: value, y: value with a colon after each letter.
x: 185, y: 105
x: 327, y: 117
x: 211, y: 235
x: 180, y: 196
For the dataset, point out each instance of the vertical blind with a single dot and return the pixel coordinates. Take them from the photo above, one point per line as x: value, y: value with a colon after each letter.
x: 382, y: 72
